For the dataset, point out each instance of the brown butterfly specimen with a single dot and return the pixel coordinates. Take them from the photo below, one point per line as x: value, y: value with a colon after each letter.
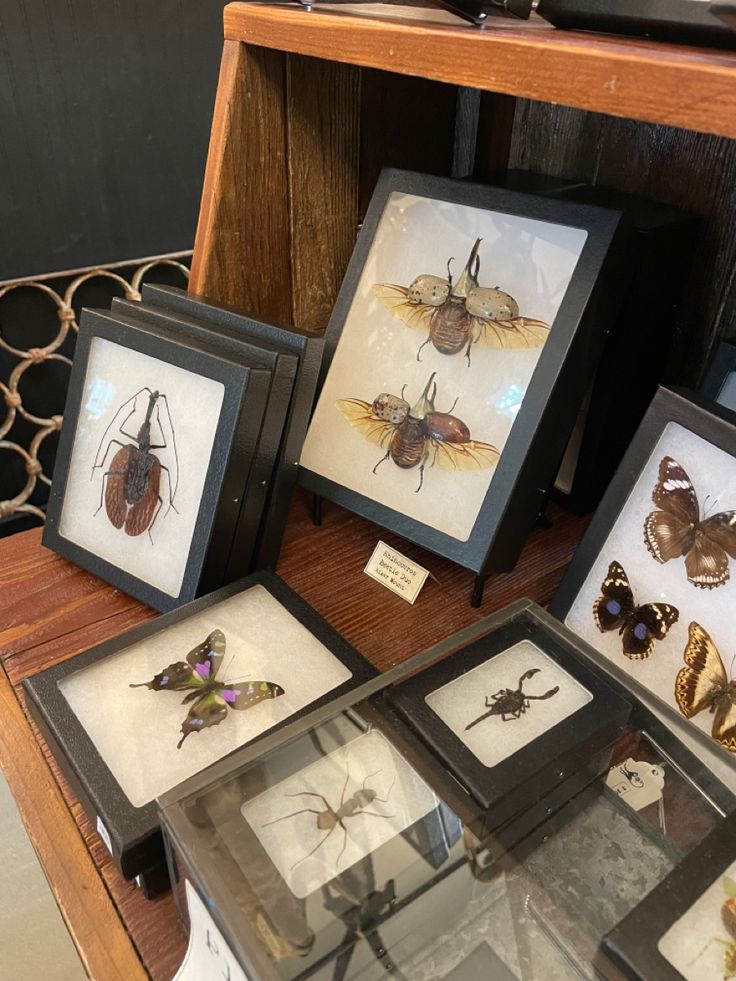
x: 676, y: 529
x: 704, y: 684
x: 639, y: 626
x: 461, y: 314
x: 418, y: 435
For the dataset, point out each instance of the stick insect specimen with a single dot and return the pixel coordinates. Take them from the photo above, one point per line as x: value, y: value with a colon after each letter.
x: 418, y: 435
x: 329, y: 818
x: 462, y: 314
x: 130, y: 487
x: 512, y: 704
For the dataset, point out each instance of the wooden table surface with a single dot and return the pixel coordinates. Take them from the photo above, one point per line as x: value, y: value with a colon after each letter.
x: 51, y: 610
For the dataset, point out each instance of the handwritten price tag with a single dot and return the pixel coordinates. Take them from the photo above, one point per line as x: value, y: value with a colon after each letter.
x: 397, y: 573
x: 208, y: 956
x: 639, y: 784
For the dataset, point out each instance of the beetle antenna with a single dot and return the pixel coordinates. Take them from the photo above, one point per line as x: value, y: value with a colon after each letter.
x: 449, y: 411
x: 112, y: 423
x: 403, y: 389
x: 449, y: 271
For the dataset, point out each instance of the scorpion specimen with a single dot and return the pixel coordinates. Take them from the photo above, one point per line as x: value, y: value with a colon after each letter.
x: 512, y: 704
x: 329, y: 818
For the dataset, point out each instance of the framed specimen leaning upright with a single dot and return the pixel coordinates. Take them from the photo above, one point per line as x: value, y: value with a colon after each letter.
x: 145, y: 472
x: 652, y: 586
x: 458, y: 351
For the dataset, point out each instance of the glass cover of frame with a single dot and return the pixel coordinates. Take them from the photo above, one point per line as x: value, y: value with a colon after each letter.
x: 460, y: 703
x: 397, y: 798
x: 325, y: 900
x: 450, y: 413
x: 136, y: 730
x: 151, y: 540
x: 700, y: 945
x: 652, y: 630
x: 727, y: 393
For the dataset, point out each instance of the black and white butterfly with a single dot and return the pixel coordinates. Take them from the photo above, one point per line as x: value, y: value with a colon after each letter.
x: 676, y: 529
x: 639, y: 626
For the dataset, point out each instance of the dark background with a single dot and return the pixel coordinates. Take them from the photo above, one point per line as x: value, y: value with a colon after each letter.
x: 105, y: 110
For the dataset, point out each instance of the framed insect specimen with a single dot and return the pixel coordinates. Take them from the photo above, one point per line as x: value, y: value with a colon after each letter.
x: 685, y: 928
x: 720, y: 380
x: 658, y: 558
x: 451, y: 350
x: 135, y: 716
x: 512, y: 714
x: 146, y: 487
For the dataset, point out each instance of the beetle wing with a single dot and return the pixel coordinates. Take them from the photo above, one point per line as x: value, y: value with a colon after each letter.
x: 358, y: 414
x: 519, y: 332
x: 115, y: 503
x: 396, y: 300
x: 472, y: 455
x: 142, y: 512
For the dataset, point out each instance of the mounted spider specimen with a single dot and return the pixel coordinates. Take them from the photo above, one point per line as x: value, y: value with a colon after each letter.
x: 131, y: 485
x: 329, y: 817
x: 512, y: 704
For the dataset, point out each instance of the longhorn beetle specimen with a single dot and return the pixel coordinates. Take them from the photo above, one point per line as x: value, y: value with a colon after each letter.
x: 329, y: 818
x: 512, y: 704
x: 130, y: 487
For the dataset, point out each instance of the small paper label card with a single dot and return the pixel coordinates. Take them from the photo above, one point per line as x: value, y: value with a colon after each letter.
x: 207, y: 956
x: 397, y: 573
x: 639, y: 784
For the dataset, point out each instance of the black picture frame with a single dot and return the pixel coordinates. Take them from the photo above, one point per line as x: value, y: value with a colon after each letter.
x: 135, y: 841
x: 630, y: 950
x: 714, y: 425
x: 240, y: 549
x: 272, y: 337
x: 534, y: 771
x: 725, y: 10
x: 245, y: 393
x: 537, y: 440
x: 722, y: 364
x: 680, y: 21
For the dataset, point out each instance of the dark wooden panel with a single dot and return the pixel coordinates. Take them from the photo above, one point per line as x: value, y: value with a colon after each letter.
x: 693, y: 171
x: 242, y: 251
x: 105, y: 116
x: 323, y: 125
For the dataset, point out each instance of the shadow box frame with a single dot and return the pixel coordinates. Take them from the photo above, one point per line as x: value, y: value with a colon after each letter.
x: 245, y: 391
x: 630, y: 951
x: 280, y: 339
x: 692, y: 22
x: 133, y: 833
x: 531, y: 455
x: 709, y: 422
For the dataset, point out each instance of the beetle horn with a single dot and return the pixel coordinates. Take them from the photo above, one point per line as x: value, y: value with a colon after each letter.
x: 425, y: 404
x: 468, y: 278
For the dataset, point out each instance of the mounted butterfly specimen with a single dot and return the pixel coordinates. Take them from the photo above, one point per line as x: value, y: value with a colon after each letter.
x: 704, y: 684
x: 131, y: 484
x: 638, y: 626
x: 462, y: 314
x: 209, y: 699
x: 676, y: 529
x: 419, y: 435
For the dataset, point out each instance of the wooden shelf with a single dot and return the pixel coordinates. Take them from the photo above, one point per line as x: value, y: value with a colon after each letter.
x: 51, y: 610
x: 681, y: 86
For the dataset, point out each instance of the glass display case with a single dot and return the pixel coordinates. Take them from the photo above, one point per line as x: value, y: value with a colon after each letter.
x: 345, y: 847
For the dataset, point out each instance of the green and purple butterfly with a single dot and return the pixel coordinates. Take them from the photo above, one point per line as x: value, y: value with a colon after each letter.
x: 210, y: 699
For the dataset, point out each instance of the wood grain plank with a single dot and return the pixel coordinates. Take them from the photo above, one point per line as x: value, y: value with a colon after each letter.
x: 323, y: 105
x: 101, y: 939
x: 242, y: 247
x: 693, y: 171
x: 677, y: 85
